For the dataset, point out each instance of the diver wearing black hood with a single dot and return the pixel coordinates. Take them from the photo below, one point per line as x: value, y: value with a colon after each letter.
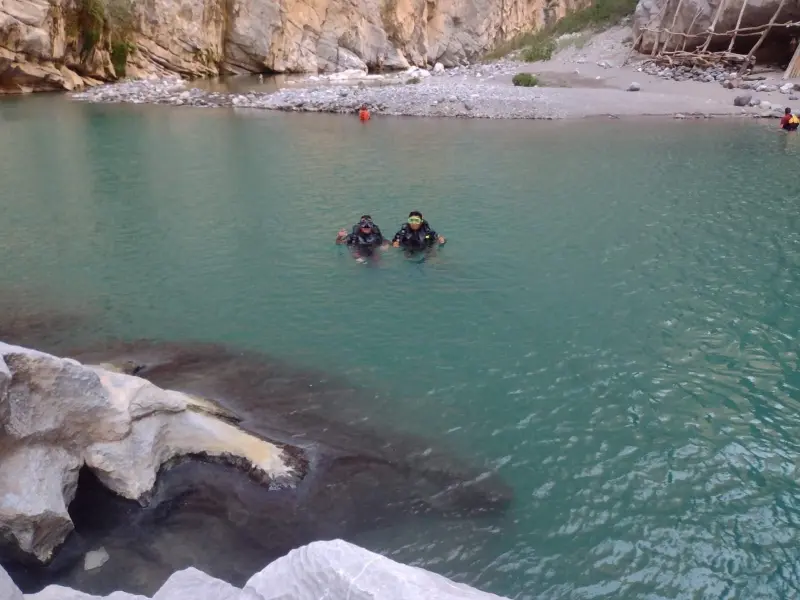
x: 365, y: 237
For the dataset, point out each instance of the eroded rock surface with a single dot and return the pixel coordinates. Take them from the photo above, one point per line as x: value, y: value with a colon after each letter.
x: 54, y: 45
x: 57, y: 415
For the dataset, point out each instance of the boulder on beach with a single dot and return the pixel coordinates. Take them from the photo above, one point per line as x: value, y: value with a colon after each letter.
x: 634, y: 87
x: 331, y: 569
x: 417, y: 72
x: 742, y: 100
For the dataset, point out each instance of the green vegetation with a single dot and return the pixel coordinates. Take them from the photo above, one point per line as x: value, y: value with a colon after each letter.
x: 106, y: 25
x: 119, y: 55
x: 525, y: 80
x: 541, y: 45
x: 539, y: 49
x: 90, y: 24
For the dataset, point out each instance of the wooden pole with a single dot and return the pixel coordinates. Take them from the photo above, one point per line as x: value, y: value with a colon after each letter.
x: 738, y: 24
x: 762, y: 38
x: 641, y: 34
x: 689, y: 31
x: 633, y: 48
x: 672, y: 27
x: 793, y: 70
x: 713, y: 27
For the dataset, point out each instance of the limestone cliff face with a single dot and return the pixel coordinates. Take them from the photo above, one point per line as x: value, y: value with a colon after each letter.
x: 64, y: 44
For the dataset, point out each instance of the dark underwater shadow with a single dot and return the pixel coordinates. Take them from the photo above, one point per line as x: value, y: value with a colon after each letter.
x: 362, y: 475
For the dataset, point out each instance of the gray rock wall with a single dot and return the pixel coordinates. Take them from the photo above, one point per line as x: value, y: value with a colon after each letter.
x: 43, y: 43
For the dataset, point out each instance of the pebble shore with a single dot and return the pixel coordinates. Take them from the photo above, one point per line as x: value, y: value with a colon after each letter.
x: 468, y: 92
x: 473, y: 91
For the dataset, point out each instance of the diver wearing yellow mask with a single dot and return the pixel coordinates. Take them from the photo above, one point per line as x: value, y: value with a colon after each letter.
x: 416, y: 234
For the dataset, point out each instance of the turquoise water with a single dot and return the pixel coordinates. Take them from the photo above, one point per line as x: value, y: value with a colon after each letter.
x: 613, y: 324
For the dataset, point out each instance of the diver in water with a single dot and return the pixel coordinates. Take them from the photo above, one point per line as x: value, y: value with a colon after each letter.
x: 417, y: 234
x: 364, y: 239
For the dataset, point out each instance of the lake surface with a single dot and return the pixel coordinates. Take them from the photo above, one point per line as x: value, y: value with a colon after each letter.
x: 613, y: 324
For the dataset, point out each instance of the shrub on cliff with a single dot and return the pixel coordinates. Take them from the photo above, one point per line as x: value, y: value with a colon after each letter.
x: 540, y: 49
x: 525, y: 80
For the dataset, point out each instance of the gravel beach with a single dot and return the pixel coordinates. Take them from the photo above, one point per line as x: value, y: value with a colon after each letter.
x: 584, y: 79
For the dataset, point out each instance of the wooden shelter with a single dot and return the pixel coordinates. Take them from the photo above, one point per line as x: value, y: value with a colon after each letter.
x: 670, y: 45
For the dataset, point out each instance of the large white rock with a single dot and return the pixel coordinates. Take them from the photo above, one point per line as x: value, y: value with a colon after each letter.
x: 337, y: 569
x: 57, y: 415
x: 57, y: 592
x: 333, y: 569
x: 191, y: 584
x: 37, y: 483
x: 8, y: 591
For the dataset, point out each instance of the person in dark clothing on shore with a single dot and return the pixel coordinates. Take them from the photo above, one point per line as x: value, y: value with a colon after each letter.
x: 416, y: 234
x: 364, y: 239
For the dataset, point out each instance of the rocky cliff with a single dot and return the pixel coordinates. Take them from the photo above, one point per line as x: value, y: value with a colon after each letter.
x: 65, y: 44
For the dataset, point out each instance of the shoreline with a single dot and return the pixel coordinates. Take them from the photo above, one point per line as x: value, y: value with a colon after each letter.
x: 583, y: 80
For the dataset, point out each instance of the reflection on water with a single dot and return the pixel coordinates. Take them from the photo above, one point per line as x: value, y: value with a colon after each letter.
x: 612, y: 326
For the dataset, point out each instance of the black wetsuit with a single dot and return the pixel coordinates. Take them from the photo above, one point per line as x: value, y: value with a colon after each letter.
x: 362, y: 243
x: 421, y: 239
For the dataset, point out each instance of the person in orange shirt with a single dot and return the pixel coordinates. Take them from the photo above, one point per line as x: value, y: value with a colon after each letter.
x: 363, y: 114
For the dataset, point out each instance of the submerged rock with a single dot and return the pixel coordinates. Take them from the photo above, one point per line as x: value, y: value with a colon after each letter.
x: 333, y: 569
x: 95, y: 559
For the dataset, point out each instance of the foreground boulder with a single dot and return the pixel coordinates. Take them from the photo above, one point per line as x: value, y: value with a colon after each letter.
x: 334, y: 569
x: 337, y: 569
x: 57, y: 416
